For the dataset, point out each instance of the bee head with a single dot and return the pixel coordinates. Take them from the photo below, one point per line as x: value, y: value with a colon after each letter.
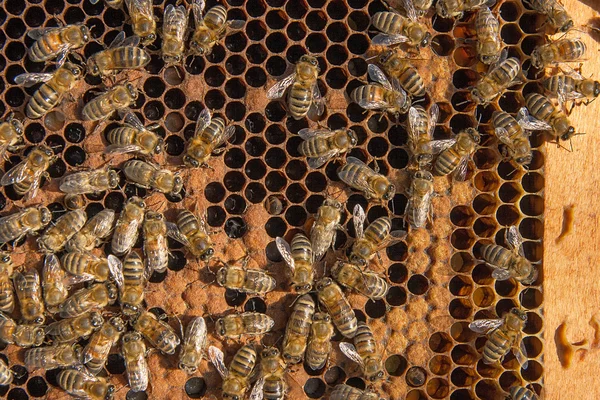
x: 353, y: 137
x: 323, y: 283
x: 172, y: 59
x: 96, y: 319
x: 149, y: 38
x: 525, y: 160
x: 85, y: 33
x: 270, y: 352
x: 190, y: 162
x: 220, y: 327
x: 159, y: 146
x: 113, y: 179
x: 474, y: 134
x: 426, y: 175
x: 426, y: 40
x: 596, y: 89
x: 389, y: 193
x: 133, y: 92
x: 17, y: 125
x: 222, y: 276
x: 5, y: 258
x: 177, y: 184
x: 207, y: 254
x: 187, y: 368
x: 112, y: 292
x: 305, y: 288
x: 311, y: 60
x: 567, y: 26
x: 39, y: 320
x: 476, y: 96
x: 197, y: 47
x: 93, y: 67
x: 568, y: 134
x: 533, y: 275
x: 110, y: 391
x: 45, y: 215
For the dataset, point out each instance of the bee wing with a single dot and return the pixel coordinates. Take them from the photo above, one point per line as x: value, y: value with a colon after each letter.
x: 460, y: 173
x: 118, y: 149
x: 16, y: 174
x: 437, y: 146
x: 176, y: 17
x: 409, y: 7
x: 52, y: 273
x: 133, y: 121
x: 217, y: 358
x: 350, y: 351
x: 35, y: 34
x: 361, y: 180
x: 286, y: 253
x: 174, y: 233
x: 502, y: 135
x: 318, y: 102
x: 117, y: 40
x: 500, y: 274
x: 76, y: 185
x: 99, y: 349
x: 530, y: 123
x: 318, y: 162
x: 235, y: 24
x: 485, y: 325
x: 278, y: 89
x: 103, y: 225
x: 358, y: 219
x: 4, y: 317
x: 383, y: 39
x: 257, y: 389
x: 196, y: 329
x: 434, y: 114
x: 424, y: 207
x: 142, y: 7
x: 130, y: 232
x: 373, y: 105
x: 413, y: 119
x: 377, y: 75
x: 520, y: 353
x: 515, y: 240
x: 116, y: 269
x: 29, y: 80
x: 203, y: 121
x: 224, y: 136
x: 62, y: 55
x: 307, y: 133
x: 197, y: 10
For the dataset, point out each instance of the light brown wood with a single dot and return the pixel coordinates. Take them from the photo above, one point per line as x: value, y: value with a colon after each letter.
x: 572, y: 266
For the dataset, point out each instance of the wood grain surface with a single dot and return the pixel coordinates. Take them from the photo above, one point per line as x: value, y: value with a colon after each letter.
x: 572, y: 266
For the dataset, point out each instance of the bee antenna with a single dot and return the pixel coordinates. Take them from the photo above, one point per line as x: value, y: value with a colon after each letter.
x: 463, y: 102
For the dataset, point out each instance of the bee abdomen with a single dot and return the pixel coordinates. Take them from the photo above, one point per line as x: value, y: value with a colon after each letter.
x: 446, y: 162
x: 217, y: 125
x: 243, y: 362
x: 364, y: 340
x: 7, y: 297
x: 274, y: 389
x: 495, y: 348
x: 43, y: 100
x: 387, y: 22
x: 122, y: 136
x: 129, y: 57
x: 494, y: 254
x: 187, y: 222
x: 301, y: 248
x: 313, y: 148
x: 413, y: 83
x: 216, y: 17
x: 378, y: 230
x: 259, y: 282
x: 300, y: 98
x: 42, y: 49
x: 344, y: 318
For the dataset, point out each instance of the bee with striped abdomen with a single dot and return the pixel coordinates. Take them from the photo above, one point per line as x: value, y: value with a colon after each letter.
x: 397, y: 28
x: 157, y: 332
x: 514, y: 137
x: 499, y: 77
x: 323, y: 230
x: 194, y: 343
x: 156, y: 248
x: 456, y: 8
x: 489, y: 43
x: 365, y: 353
x: 382, y: 94
x: 25, y: 221
x: 195, y: 231
x: 134, y: 137
x: 246, y: 323
x: 96, y: 352
x: 55, y: 356
x: 150, y: 176
x: 131, y: 283
x: 342, y: 314
x: 304, y: 96
x: 26, y: 176
x: 55, y: 282
x: 298, y: 329
x: 29, y: 293
x: 118, y: 97
x: 175, y: 24
x: 545, y: 116
x: 56, y: 42
x: 126, y: 230
x: 93, y: 233
x: 11, y: 134
x: 65, y: 227
x: 22, y: 335
x: 78, y: 382
x: 210, y: 28
x: 345, y: 392
x: 245, y: 280
x: 123, y: 53
x: 398, y: 67
x: 554, y: 11
x: 49, y: 95
x: 360, y: 176
x: 87, y: 266
x: 319, y: 341
x: 572, y: 86
x: 368, y: 284
x: 562, y: 50
x: 7, y: 296
x: 299, y: 259
x: 455, y: 158
x: 522, y: 393
x: 143, y: 20
x: 209, y: 135
x: 97, y: 296
x: 236, y: 379
x: 134, y: 353
x: 321, y: 145
x: 271, y: 385
x: 420, y: 193
x: 503, y: 334
x: 72, y: 329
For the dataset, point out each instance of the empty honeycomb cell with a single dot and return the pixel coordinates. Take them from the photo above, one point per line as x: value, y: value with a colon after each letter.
x: 234, y: 298
x: 37, y: 387
x: 236, y: 42
x: 276, y: 19
x: 295, y: 216
x: 15, y: 51
x: 462, y: 239
x: 487, y: 371
x: 358, y: 44
x: 438, y: 388
x: 337, y: 121
x: 484, y: 297
x: 462, y: 216
x: 174, y: 75
x: 255, y: 304
x: 314, y: 388
x: 395, y: 365
x: 357, y: 67
x: 15, y: 7
x: 464, y: 78
x: 255, y: 123
x: 532, y: 205
x: 396, y: 296
x: 195, y: 387
x: 20, y: 374
x: 35, y: 133
x: 460, y: 308
x: 511, y: 34
x: 234, y: 89
x: 256, y: 54
x: 275, y: 112
x: 509, y: 11
x: 15, y: 97
x: 234, y: 181
x: 529, y: 43
x: 174, y: 99
x: 510, y: 102
x: 255, y: 146
x: 294, y: 126
x: 336, y: 78
x: 214, y: 76
x: 533, y: 345
x: 96, y: 27
x: 510, y: 192
x: 75, y: 155
x: 154, y: 110
x: 397, y: 273
x: 17, y: 394
x: 275, y: 134
x: 296, y: 169
x: 486, y: 181
x: 217, y: 55
x: 276, y: 42
x: 316, y: 20
x: 255, y: 192
x: 439, y: 365
x: 296, y: 31
x: 275, y: 158
x: 174, y: 145
x: 440, y: 342
x: 275, y: 227
x: 295, y: 193
x: 416, y: 395
x: 484, y: 204
x: 533, y: 372
x: 485, y: 227
x: 485, y: 158
x: 532, y: 23
x: 507, y: 215
x: 174, y: 122
x: 397, y: 252
x: 375, y: 308
x: 508, y: 379
x: 418, y: 284
x: 532, y: 182
x: 15, y: 28
x: 460, y: 285
x: 195, y: 65
x: 463, y: 376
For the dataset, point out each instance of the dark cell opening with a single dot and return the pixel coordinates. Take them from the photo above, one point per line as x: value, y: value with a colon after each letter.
x: 275, y: 226
x: 375, y: 308
x: 511, y: 34
x: 314, y: 388
x: 234, y: 181
x: 74, y: 133
x: 115, y: 364
x: 276, y: 66
x: 215, y: 216
x: 337, y: 55
x: 378, y: 147
x: 356, y: 382
x: 256, y: 54
x: 195, y: 387
x: 158, y: 277
x: 255, y: 8
x: 295, y: 193
x: 442, y: 45
x: 214, y: 192
x: 294, y: 53
x: 193, y: 109
x: 295, y: 216
x: 156, y: 64
x: 15, y: 51
x: 337, y: 9
x: 255, y: 192
x: 275, y: 158
x: 255, y: 304
x: 177, y: 261
x: 235, y: 204
x: 175, y: 99
x: 276, y: 19
x: 256, y: 30
x: 256, y: 77
x: 316, y: 43
x: 235, y: 227
x: 75, y: 155
x: 20, y: 374
x: 214, y: 99
x: 275, y: 111
x: 295, y: 169
x: 35, y: 133
x: 275, y: 134
x: 15, y: 28
x: 17, y: 394
x: 358, y: 44
x: 275, y: 181
x: 336, y: 78
x: 235, y: 88
x: 154, y: 110
x: 396, y: 296
x: 194, y: 65
x: 114, y: 201
x: 131, y: 395
x: 255, y: 122
x: 113, y: 17
x: 174, y: 122
x: 74, y: 15
x: 276, y: 42
x: 296, y: 9
x: 217, y: 55
x: 296, y: 31
x: 334, y: 375
x: 15, y: 97
x: 236, y: 42
x: 37, y: 387
x: 174, y: 145
x: 255, y: 146
x: 214, y: 76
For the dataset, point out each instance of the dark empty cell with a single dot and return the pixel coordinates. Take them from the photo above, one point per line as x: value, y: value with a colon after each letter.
x: 276, y: 42
x: 276, y: 66
x: 255, y: 122
x: 255, y: 192
x: 235, y: 64
x: 195, y: 65
x: 56, y: 143
x: 294, y: 53
x: 133, y: 190
x: 377, y: 124
x: 214, y: 76
x: 442, y: 45
x: 234, y: 181
x: 255, y: 169
x: 396, y: 296
x: 337, y: 55
x: 397, y: 135
x: 236, y: 42
x: 233, y: 298
x: 316, y: 20
x: 336, y: 78
x: 193, y: 109
x: 532, y: 23
x: 256, y: 77
x: 175, y: 99
x: 464, y: 78
x: 216, y: 55
x: 17, y: 394
x: 295, y: 169
x: 296, y: 31
x: 195, y: 387
x: 214, y: 99
x: 35, y: 133
x: 15, y: 7
x: 375, y: 308
x: 295, y: 193
x: 255, y: 8
x: 357, y: 4
x: 235, y: 158
x: 96, y: 27
x: 276, y: 19
x: 57, y: 169
x: 214, y: 192
x: 314, y: 388
x: 235, y: 111
x: 174, y: 75
x: 174, y: 145
x: 356, y: 382
x: 510, y: 102
x: 358, y: 44
x: 115, y: 364
x: 15, y: 97
x: 154, y: 87
x: 177, y: 261
x: 275, y: 111
x: 20, y: 374
x: 12, y: 72
x: 316, y: 182
x: 37, y: 387
x: 154, y: 110
x: 15, y: 51
x: 235, y: 227
x: 114, y: 201
x: 131, y: 395
x: 358, y: 21
x: 316, y: 43
x: 255, y: 304
x: 255, y: 146
x: 113, y: 18
x: 356, y: 66
x: 54, y: 7
x: 398, y: 158
x: 215, y: 216
x: 511, y: 34
x: 296, y: 9
x: 509, y: 11
x: 275, y: 134
x: 294, y: 126
x: 462, y: 239
x: 378, y: 147
x: 418, y: 284
x: 275, y: 226
x: 461, y: 122
x: 155, y: 65
x: 337, y: 9
x: 235, y: 88
x: 397, y: 252
x: 256, y: 54
x: 256, y: 30
x: 337, y: 121
x: 532, y: 205
x: 75, y: 155
x: 275, y: 158
x: 275, y: 181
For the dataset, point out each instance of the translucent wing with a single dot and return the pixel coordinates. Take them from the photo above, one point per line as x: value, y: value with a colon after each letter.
x: 29, y: 80
x: 515, y: 240
x: 373, y: 105
x: 35, y: 34
x: 133, y: 121
x: 203, y: 121
x: 318, y: 103
x: 520, y: 353
x: 485, y: 325
x: 358, y: 219
x: 116, y: 269
x: 223, y: 136
x: 377, y: 75
x: 359, y: 180
x: 198, y: 10
x: 460, y: 173
x: 16, y: 174
x: 318, y: 162
x: 176, y: 18
x: 434, y: 114
x: 77, y: 186
x: 423, y: 209
x: 129, y: 233
x: 103, y: 224
x: 235, y: 24
x: 142, y: 7
x: 217, y: 358
x: 413, y: 122
x: 408, y: 6
x: 196, y: 333
x: 350, y: 351
x: 117, y: 40
x: 502, y: 135
x: 257, y: 390
x: 308, y: 133
x: 286, y: 253
x: 437, y: 146
x: 277, y: 90
x: 174, y: 233
x: 530, y: 123
x: 500, y: 274
x: 383, y: 39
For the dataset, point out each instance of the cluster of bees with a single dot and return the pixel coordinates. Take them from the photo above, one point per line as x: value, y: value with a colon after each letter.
x: 396, y: 88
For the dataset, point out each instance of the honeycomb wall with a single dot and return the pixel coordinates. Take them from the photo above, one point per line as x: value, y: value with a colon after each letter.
x: 261, y: 188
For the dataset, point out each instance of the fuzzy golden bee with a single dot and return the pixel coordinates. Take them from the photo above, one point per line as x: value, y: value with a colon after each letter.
x: 25, y: 221
x: 300, y: 259
x: 420, y: 135
x: 342, y: 314
x: 134, y: 353
x: 420, y: 193
x: 96, y: 351
x: 29, y: 293
x: 71, y: 329
x: 65, y: 227
x: 55, y: 282
x: 97, y: 296
x: 134, y: 137
x: 150, y: 176
x: 132, y: 283
x: 319, y: 341
x: 397, y: 28
x: 365, y: 353
x: 78, y: 382
x: 455, y: 158
x: 554, y: 11
x: 57, y: 42
x: 117, y: 98
x: 398, y: 67
x: 7, y: 295
x: 572, y: 86
x: 22, y: 335
x: 304, y: 97
x: 175, y: 25
x: 209, y: 135
x: 271, y: 385
x: 87, y: 266
x: 123, y: 53
x: 321, y: 145
x: 94, y: 232
x: 382, y: 94
x: 143, y: 20
x: 194, y: 229
x: 298, y: 329
x: 503, y: 334
x: 11, y: 134
x: 345, y: 392
x: 514, y: 137
x: 193, y: 347
x: 236, y: 379
x: 26, y: 176
x: 500, y: 76
x: 545, y: 116
x: 368, y: 284
x: 157, y: 332
x: 489, y: 43
x: 560, y: 51
x: 323, y: 231
x: 50, y: 94
x: 156, y: 249
x: 360, y: 176
x: 55, y: 356
x: 245, y: 280
x: 127, y: 227
x: 246, y: 323
x: 210, y: 28
x: 456, y: 8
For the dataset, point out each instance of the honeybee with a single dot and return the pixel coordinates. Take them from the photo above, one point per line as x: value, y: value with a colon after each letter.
x: 209, y: 135
x: 126, y: 230
x: 367, y: 283
x: 544, y: 116
x: 516, y: 140
x: 489, y: 43
x: 143, y: 21
x: 6, y: 374
x: 299, y: 258
x: 7, y: 296
x: 271, y: 385
x: 78, y: 382
x: 247, y: 323
x: 156, y: 249
x: 323, y: 231
x: 194, y: 229
x: 25, y: 221
x: 245, y: 280
x: 27, y: 175
x: 319, y: 341
x: 418, y: 207
x: 378, y: 235
x: 503, y: 334
x: 150, y: 176
x: 22, y: 335
x: 121, y: 54
x: 304, y: 96
x: 332, y: 297
x: 131, y: 282
x: 421, y: 6
x: 345, y: 392
x: 29, y: 293
x: 321, y: 145
x: 236, y: 379
x: 134, y: 353
x: 381, y: 95
x: 56, y: 42
x: 211, y: 27
x: 456, y: 8
x: 134, y: 137
x: 175, y: 24
x: 358, y: 175
x: 455, y: 158
x: 499, y: 77
x: 511, y: 262
x: 399, y: 29
x: 158, y: 333
x: 563, y: 50
x: 93, y: 232
x: 56, y: 356
x: 66, y: 226
x: 522, y: 393
x: 420, y: 135
x: 87, y: 266
x: 11, y: 134
x: 96, y: 352
x: 399, y: 68
x: 298, y: 329
x: 193, y: 346
x: 554, y: 11
x: 98, y: 295
x: 118, y: 97
x: 72, y: 329
x: 572, y: 87
x: 365, y: 352
x: 55, y: 282
x: 50, y: 94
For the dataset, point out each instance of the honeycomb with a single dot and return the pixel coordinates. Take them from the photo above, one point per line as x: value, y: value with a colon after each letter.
x: 261, y: 188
